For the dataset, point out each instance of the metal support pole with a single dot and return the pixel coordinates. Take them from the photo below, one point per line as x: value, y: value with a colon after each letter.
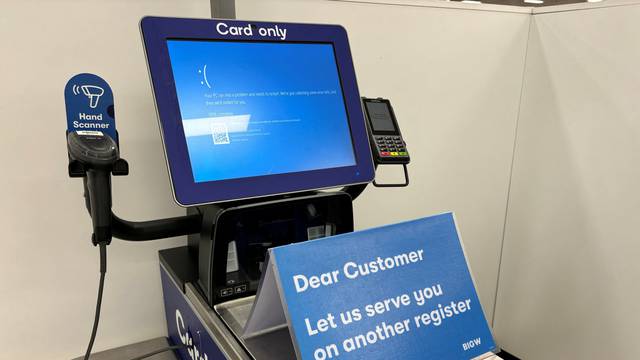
x: 223, y: 9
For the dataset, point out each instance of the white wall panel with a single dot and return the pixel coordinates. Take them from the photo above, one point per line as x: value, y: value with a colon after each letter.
x: 454, y: 77
x: 570, y: 273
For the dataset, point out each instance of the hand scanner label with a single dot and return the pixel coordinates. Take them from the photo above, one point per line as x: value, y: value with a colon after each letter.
x: 89, y: 103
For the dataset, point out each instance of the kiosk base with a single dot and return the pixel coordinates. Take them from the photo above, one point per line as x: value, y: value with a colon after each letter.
x: 215, y: 334
x: 209, y: 285
x: 211, y: 334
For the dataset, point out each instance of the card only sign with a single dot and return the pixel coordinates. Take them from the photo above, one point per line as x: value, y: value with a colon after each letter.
x: 401, y: 291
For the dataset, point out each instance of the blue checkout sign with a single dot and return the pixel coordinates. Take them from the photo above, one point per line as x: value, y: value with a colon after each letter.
x: 402, y: 291
x: 89, y: 103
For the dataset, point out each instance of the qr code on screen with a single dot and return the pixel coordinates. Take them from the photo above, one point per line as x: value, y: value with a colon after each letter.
x: 220, y: 134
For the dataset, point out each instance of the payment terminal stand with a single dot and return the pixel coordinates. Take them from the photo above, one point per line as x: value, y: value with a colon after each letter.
x: 386, y: 140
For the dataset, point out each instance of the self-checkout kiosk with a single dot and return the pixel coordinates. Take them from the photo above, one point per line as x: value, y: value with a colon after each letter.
x: 277, y: 111
x: 267, y: 141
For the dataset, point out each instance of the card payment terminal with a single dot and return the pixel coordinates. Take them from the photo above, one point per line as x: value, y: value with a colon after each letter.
x: 386, y: 140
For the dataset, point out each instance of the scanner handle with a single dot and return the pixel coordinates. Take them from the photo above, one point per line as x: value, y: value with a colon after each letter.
x: 97, y: 190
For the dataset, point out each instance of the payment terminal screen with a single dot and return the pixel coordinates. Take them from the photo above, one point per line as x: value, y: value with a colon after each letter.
x: 255, y: 108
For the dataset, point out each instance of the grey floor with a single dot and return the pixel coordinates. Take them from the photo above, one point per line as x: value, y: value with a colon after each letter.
x: 134, y: 350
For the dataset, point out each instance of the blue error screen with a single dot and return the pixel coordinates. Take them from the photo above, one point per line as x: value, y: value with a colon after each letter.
x: 259, y: 108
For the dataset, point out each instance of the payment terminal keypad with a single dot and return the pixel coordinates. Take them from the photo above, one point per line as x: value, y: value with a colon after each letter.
x: 391, y: 147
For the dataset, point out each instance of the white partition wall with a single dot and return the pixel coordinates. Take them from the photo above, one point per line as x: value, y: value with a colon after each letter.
x: 453, y: 73
x: 467, y: 83
x: 569, y: 281
x: 48, y: 268
x: 454, y: 76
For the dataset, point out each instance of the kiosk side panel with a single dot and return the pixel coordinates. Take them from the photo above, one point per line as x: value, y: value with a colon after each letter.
x: 184, y: 326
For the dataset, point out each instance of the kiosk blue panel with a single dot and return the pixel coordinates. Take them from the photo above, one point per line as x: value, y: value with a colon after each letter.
x: 184, y: 327
x: 250, y: 109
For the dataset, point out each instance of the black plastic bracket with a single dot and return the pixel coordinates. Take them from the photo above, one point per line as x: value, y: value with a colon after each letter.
x: 155, y: 229
x: 76, y: 168
x: 406, y: 180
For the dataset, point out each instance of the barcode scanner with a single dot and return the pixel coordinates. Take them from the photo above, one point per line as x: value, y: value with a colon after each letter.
x: 95, y: 154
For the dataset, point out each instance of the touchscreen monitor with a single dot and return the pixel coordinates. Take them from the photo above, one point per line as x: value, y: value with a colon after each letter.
x: 255, y: 118
x: 253, y: 109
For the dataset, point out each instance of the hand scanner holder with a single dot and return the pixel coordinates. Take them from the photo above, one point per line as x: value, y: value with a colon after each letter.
x: 96, y: 172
